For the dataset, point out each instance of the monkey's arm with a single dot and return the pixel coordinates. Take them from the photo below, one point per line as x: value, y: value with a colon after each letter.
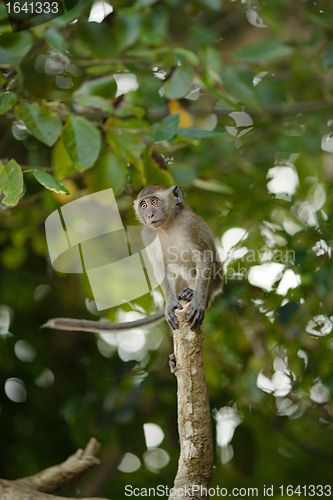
x: 103, y: 327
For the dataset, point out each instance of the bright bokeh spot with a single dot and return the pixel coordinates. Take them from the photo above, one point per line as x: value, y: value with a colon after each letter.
x: 156, y: 459
x: 265, y: 275
x: 99, y: 11
x: 289, y: 280
x: 153, y: 435
x: 15, y: 390
x: 126, y: 82
x: 129, y: 463
x: 283, y: 180
x: 319, y: 393
x: 232, y: 237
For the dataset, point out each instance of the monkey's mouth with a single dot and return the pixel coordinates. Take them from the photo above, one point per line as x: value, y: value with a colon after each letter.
x: 155, y: 223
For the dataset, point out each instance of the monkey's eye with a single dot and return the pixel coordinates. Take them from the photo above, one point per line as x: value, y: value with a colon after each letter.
x: 143, y: 205
x: 154, y: 201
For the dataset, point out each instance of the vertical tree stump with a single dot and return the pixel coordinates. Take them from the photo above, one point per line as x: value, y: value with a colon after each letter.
x: 195, y: 466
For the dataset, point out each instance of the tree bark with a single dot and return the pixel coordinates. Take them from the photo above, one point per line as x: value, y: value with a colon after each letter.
x: 195, y: 466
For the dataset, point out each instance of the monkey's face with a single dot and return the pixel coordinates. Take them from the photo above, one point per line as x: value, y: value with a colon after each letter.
x: 156, y: 205
x: 151, y: 211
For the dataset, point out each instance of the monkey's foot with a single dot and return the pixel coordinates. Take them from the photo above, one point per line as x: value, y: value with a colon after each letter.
x: 197, y: 314
x: 186, y: 294
x: 170, y: 315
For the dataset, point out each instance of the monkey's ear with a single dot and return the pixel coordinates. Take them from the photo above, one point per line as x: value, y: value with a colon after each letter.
x: 177, y: 194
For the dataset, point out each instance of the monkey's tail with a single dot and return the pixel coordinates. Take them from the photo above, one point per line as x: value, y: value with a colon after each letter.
x: 84, y: 325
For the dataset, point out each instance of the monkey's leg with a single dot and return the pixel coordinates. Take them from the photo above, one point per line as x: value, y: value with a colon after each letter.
x: 186, y: 294
x: 172, y: 303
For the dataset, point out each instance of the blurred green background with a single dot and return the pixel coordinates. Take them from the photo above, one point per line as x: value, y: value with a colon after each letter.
x: 231, y: 101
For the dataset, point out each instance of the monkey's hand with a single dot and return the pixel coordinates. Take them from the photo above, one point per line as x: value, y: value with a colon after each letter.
x: 197, y: 313
x: 170, y: 313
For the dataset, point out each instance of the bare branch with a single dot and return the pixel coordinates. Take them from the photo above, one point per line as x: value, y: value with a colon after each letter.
x: 9, y: 490
x: 62, y: 476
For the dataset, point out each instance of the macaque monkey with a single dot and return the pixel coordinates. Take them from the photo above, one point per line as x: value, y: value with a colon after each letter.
x: 188, y: 251
x: 192, y: 269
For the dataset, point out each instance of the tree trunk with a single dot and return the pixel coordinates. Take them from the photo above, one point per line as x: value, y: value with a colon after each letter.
x: 195, y: 466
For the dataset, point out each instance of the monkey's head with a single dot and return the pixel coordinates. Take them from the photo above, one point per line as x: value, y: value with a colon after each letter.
x: 156, y: 205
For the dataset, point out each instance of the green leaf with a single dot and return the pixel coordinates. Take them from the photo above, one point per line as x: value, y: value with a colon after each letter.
x: 235, y: 82
x: 151, y: 172
x: 61, y: 161
x: 7, y: 101
x: 180, y: 83
x: 18, y: 44
x: 99, y: 69
x: 183, y: 174
x: 49, y: 182
x: 56, y: 39
x: 324, y: 21
x: 199, y: 134
x: 186, y: 56
x: 124, y: 111
x: 200, y: 34
x: 109, y: 172
x: 211, y: 4
x: 42, y: 122
x: 91, y: 103
x: 6, y: 57
x: 154, y: 28
x: 97, y: 37
x: 211, y: 59
x: 127, y: 145
x: 222, y: 95
x: 5, y: 28
x: 265, y: 50
x: 82, y: 141
x: 104, y: 86
x: 11, y: 182
x: 215, y: 186
x: 128, y: 27
x: 74, y: 9
x: 166, y: 128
